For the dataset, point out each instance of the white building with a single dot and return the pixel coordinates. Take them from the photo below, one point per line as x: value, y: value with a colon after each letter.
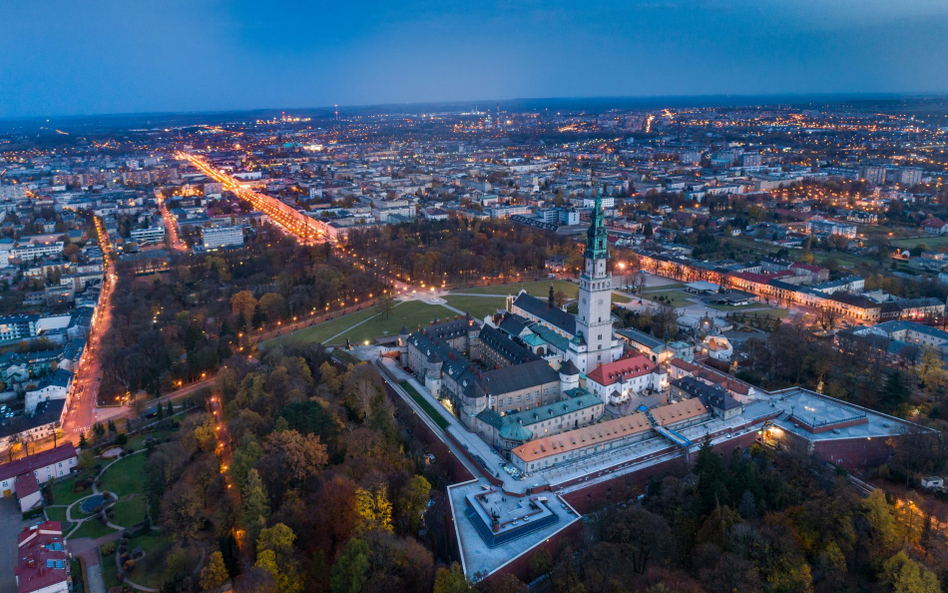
x: 617, y: 382
x: 149, y: 235
x: 218, y: 237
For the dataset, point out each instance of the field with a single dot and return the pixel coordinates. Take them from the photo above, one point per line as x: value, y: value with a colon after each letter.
x: 676, y: 297
x: 620, y: 298
x: 410, y: 313
x: 478, y: 307
x: 434, y: 414
x: 92, y: 529
x: 62, y: 490
x: 129, y: 511
x: 538, y: 288
x: 153, y: 570
x: 929, y: 242
x: 59, y: 514
x: 125, y: 476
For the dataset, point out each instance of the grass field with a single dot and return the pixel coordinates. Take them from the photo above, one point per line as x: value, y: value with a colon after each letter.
x: 538, y: 288
x: 929, y: 242
x: 434, y: 414
x: 760, y: 311
x: 92, y: 529
x: 620, y: 298
x: 129, y: 511
x: 323, y: 331
x: 676, y: 297
x: 59, y: 514
x: 152, y: 570
x: 410, y: 313
x: 478, y: 307
x: 125, y: 477
x: 62, y: 490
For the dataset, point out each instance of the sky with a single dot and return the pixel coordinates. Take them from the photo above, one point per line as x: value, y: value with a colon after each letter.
x: 82, y: 57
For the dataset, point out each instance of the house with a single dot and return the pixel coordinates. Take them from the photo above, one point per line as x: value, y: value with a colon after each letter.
x: 53, y: 386
x: 43, y: 564
x: 42, y: 467
x: 934, y: 226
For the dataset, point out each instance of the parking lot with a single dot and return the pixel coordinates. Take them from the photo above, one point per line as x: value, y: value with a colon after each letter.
x: 11, y: 523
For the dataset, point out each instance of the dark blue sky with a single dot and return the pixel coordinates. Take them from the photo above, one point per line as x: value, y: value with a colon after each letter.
x: 63, y: 57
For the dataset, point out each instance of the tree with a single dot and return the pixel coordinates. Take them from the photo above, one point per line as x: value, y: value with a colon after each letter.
x: 254, y: 498
x: 350, y: 571
x: 905, y: 575
x: 541, y: 563
x: 286, y: 576
x: 82, y: 440
x: 414, y: 500
x: 214, y: 574
x: 451, y: 580
x: 278, y: 538
x: 180, y: 511
x: 243, y: 304
x: 374, y: 510
x: 895, y: 393
x: 881, y: 519
x: 273, y: 306
x: 384, y: 306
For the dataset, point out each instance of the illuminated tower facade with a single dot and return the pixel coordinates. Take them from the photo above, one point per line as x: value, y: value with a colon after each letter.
x: 594, y: 320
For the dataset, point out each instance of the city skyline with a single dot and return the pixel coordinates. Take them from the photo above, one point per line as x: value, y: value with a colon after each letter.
x: 60, y: 59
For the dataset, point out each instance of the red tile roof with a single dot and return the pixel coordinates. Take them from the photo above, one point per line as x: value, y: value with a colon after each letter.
x: 42, y: 560
x: 626, y: 368
x: 33, y: 462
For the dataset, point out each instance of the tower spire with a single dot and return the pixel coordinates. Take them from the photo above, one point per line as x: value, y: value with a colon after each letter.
x: 597, y: 244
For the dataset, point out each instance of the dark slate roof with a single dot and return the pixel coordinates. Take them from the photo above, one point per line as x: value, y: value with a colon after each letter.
x: 511, y: 351
x: 568, y: 368
x: 514, y: 324
x: 540, y: 308
x: 521, y: 376
x: 710, y: 395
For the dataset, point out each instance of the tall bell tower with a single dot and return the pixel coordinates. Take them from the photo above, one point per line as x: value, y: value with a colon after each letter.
x: 594, y: 320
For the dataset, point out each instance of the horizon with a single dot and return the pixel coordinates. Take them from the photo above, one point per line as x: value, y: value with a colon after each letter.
x: 60, y: 59
x: 604, y: 103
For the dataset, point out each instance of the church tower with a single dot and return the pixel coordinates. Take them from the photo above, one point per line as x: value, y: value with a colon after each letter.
x: 594, y: 320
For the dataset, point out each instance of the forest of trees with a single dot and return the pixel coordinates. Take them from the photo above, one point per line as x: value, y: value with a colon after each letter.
x: 172, y: 327
x: 459, y: 250
x: 756, y: 521
x: 328, y: 493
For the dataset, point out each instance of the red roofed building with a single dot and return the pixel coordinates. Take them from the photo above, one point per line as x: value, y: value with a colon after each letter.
x: 42, y: 561
x: 43, y: 466
x: 617, y: 381
x: 934, y: 226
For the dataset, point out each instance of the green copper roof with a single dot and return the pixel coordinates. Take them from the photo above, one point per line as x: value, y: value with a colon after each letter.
x: 597, y: 244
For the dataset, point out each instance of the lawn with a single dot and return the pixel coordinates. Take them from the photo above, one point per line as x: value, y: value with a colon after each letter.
x: 478, y: 307
x: 538, y: 288
x: 322, y: 331
x: 153, y: 570
x: 620, y: 298
x: 129, y: 511
x: 434, y: 414
x: 59, y: 514
x: 62, y: 490
x: 408, y: 313
x: 676, y: 297
x: 138, y: 441
x: 760, y: 311
x: 125, y: 477
x: 929, y: 242
x: 92, y: 529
